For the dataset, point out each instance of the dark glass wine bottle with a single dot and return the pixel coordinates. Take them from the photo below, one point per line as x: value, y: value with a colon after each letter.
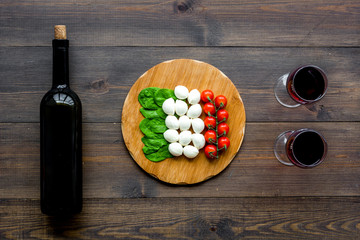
x: 61, y: 138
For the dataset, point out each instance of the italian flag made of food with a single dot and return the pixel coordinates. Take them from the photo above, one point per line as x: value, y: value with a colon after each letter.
x: 172, y: 126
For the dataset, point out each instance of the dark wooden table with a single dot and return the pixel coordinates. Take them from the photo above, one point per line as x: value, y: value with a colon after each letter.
x: 253, y: 43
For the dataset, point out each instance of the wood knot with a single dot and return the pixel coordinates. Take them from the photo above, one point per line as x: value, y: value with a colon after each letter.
x: 99, y: 86
x: 184, y: 6
x: 213, y: 228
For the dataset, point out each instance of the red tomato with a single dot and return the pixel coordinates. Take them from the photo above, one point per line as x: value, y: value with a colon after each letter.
x: 220, y: 101
x: 223, y: 129
x: 210, y: 151
x: 206, y: 95
x: 210, y: 136
x: 223, y: 143
x: 210, y: 122
x: 222, y: 115
x: 209, y: 108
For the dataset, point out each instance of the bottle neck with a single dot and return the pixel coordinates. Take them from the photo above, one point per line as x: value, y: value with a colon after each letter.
x: 60, y: 63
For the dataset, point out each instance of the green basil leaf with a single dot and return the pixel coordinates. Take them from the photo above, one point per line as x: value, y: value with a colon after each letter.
x: 154, y: 142
x: 162, y: 154
x: 161, y: 113
x: 149, y: 113
x: 163, y: 94
x: 146, y: 98
x: 149, y: 149
x: 146, y: 129
x: 157, y: 125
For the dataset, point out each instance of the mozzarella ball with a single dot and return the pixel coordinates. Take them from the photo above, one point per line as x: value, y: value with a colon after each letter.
x: 198, y: 140
x: 181, y: 107
x: 176, y: 149
x: 184, y: 123
x: 185, y: 138
x: 172, y: 122
x: 194, y: 96
x: 197, y: 125
x: 181, y: 92
x: 194, y: 111
x: 169, y: 106
x: 190, y: 151
x: 171, y: 135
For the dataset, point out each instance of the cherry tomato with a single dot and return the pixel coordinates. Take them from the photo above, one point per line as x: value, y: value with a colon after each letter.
x: 223, y: 129
x: 222, y: 115
x: 209, y: 108
x: 210, y: 122
x: 206, y: 95
x: 223, y: 143
x: 210, y: 151
x: 210, y: 136
x: 220, y: 101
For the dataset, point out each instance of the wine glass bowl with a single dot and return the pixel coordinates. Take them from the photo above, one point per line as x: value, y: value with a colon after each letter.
x: 304, y: 148
x: 304, y: 85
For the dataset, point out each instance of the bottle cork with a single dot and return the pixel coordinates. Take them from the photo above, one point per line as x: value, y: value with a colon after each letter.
x: 60, y: 31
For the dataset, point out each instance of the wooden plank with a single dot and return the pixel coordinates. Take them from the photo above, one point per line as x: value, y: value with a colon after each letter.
x: 183, y: 23
x: 188, y: 218
x: 103, y: 76
x: 110, y: 172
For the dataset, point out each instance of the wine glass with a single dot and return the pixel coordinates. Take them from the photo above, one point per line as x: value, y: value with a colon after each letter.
x: 304, y: 85
x: 304, y: 148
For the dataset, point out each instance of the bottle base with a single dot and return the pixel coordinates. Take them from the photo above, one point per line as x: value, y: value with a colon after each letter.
x: 61, y: 211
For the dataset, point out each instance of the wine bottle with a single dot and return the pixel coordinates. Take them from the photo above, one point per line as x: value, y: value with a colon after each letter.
x: 61, y: 138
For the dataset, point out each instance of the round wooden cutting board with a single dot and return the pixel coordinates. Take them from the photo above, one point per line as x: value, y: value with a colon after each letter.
x: 194, y: 75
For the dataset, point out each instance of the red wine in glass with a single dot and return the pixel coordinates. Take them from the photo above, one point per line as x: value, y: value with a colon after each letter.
x: 307, y: 84
x: 306, y: 148
x: 303, y: 148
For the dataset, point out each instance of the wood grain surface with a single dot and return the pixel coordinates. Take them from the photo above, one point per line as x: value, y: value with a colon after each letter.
x: 110, y: 172
x: 194, y: 75
x: 253, y: 43
x: 189, y: 218
x: 103, y: 76
x: 183, y: 22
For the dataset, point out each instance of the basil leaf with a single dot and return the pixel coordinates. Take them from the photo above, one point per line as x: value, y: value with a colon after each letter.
x: 146, y: 129
x: 146, y: 98
x: 160, y: 155
x: 157, y: 125
x: 153, y: 125
x: 163, y: 94
x: 161, y: 113
x: 149, y: 113
x: 149, y: 149
x: 155, y: 142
